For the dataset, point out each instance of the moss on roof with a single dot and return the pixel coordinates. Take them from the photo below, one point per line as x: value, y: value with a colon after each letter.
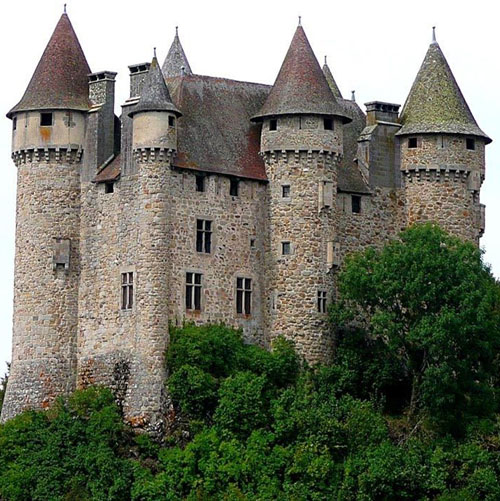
x: 435, y: 103
x: 331, y: 81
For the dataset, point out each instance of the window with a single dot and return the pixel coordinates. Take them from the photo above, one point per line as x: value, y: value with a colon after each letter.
x: 321, y: 301
x: 193, y: 291
x: 45, y: 119
x: 412, y: 142
x: 14, y: 123
x: 127, y: 290
x: 328, y: 123
x: 286, y: 248
x: 244, y: 295
x: 441, y: 142
x: 470, y: 143
x: 273, y: 124
x: 171, y: 121
x: 234, y: 187
x: 109, y: 187
x: 252, y: 243
x: 200, y: 183
x: 285, y: 191
x: 203, y: 236
x: 356, y: 204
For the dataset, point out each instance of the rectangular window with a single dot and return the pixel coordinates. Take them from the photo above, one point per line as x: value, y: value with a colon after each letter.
x: 45, y: 119
x: 193, y: 291
x: 470, y: 143
x: 200, y: 183
x: 14, y: 123
x: 171, y: 121
x: 273, y: 124
x: 412, y: 142
x: 321, y: 301
x: 356, y: 204
x: 328, y: 123
x: 203, y: 236
x: 285, y: 191
x: 234, y: 187
x: 109, y: 187
x: 244, y: 295
x: 286, y: 248
x: 127, y: 290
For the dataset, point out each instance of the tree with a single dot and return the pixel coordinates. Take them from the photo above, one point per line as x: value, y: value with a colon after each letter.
x: 435, y: 305
x: 3, y: 385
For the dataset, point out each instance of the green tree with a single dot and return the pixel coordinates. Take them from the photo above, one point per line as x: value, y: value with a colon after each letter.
x: 3, y: 385
x: 435, y: 305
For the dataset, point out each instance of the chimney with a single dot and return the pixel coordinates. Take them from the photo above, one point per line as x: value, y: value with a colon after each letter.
x: 378, y: 111
x: 138, y: 73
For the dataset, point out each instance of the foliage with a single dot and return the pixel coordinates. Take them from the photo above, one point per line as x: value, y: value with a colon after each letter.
x: 432, y: 309
x: 3, y: 385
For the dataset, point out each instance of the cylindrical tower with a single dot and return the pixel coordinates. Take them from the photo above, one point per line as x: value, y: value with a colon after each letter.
x: 154, y: 143
x: 47, y: 147
x: 442, y: 152
x: 301, y: 142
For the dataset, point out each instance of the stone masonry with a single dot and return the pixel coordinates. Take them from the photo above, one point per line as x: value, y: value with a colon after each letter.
x: 210, y: 200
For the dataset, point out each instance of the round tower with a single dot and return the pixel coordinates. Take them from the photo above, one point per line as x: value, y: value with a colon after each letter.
x: 47, y: 146
x: 301, y: 142
x: 154, y: 143
x: 442, y: 152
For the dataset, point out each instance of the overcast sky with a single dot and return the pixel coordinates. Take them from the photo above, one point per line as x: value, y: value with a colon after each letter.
x: 375, y: 48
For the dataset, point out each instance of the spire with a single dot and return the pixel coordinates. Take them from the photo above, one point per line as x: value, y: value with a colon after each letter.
x: 331, y: 81
x: 176, y: 59
x: 435, y: 103
x: 300, y: 87
x: 155, y: 95
x: 434, y: 35
x: 60, y: 80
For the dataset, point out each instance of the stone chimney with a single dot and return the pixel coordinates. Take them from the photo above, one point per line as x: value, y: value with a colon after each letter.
x: 378, y: 111
x: 138, y: 73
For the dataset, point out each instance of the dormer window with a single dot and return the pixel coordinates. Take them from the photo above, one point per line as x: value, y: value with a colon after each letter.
x: 412, y: 142
x: 328, y: 123
x: 171, y: 121
x: 46, y: 119
x: 273, y: 124
x: 470, y: 143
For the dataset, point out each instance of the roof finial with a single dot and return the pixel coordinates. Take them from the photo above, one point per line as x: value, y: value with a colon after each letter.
x: 65, y: 8
x: 325, y: 60
x: 353, y: 95
x: 434, y: 34
x: 300, y: 20
x: 154, y: 51
x: 177, y: 31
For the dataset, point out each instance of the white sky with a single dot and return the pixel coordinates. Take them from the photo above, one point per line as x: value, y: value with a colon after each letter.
x: 375, y: 48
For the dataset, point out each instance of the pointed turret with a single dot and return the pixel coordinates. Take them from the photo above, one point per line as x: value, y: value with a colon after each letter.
x: 155, y: 95
x: 60, y: 80
x: 331, y: 81
x: 301, y: 88
x: 176, y: 63
x: 435, y: 103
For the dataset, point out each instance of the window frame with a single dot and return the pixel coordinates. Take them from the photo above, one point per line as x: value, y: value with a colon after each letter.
x: 470, y: 141
x: 328, y: 121
x: 286, y: 244
x: 234, y: 187
x: 286, y: 191
x: 204, y: 234
x: 193, y: 291
x: 412, y: 143
x: 357, y: 204
x: 200, y: 183
x: 322, y: 301
x: 244, y: 290
x: 43, y: 118
x: 171, y: 121
x: 273, y: 124
x: 127, y: 290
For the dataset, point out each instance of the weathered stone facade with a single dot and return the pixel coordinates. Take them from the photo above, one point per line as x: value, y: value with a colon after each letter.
x: 209, y: 200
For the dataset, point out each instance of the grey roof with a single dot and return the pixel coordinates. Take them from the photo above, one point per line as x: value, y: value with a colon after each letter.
x: 176, y: 61
x: 154, y: 94
x: 215, y: 133
x: 300, y: 87
x: 435, y: 103
x: 60, y: 80
x: 331, y: 81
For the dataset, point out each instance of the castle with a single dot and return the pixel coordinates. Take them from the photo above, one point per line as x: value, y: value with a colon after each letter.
x: 210, y: 200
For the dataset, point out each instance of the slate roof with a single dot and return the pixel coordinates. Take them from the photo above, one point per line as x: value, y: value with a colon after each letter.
x: 60, y: 80
x: 435, y: 103
x: 110, y: 172
x: 154, y: 94
x: 300, y: 86
x: 331, y: 81
x: 176, y: 60
x: 215, y: 133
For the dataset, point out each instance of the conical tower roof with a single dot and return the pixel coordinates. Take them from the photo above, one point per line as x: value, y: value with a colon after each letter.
x: 154, y: 94
x: 176, y: 61
x: 435, y: 103
x: 301, y: 87
x: 60, y: 80
x: 331, y: 81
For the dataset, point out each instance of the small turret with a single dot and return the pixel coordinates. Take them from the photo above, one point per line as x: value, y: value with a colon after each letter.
x: 155, y: 116
x: 331, y: 81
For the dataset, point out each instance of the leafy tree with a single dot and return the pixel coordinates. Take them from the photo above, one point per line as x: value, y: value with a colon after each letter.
x: 3, y: 385
x: 435, y: 306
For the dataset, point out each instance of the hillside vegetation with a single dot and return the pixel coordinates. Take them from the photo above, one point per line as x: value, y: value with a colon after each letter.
x: 408, y: 410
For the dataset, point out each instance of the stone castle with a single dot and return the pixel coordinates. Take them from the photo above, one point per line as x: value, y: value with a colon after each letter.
x: 210, y: 200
